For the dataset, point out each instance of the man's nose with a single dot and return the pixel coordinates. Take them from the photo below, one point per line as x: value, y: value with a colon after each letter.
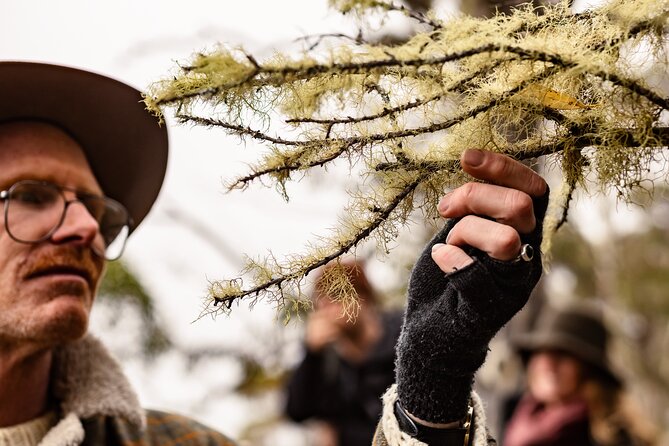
x: 78, y: 226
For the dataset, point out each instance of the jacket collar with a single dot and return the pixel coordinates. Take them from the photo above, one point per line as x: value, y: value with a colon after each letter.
x: 87, y: 381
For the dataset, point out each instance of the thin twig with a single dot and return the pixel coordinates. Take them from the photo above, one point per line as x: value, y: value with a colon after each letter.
x: 237, y: 129
x: 242, y: 182
x: 381, y: 215
x: 277, y: 76
x: 565, y: 206
x: 346, y: 144
x: 417, y: 16
x: 320, y: 37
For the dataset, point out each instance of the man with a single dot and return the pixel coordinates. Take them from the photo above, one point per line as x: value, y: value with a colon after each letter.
x: 82, y: 163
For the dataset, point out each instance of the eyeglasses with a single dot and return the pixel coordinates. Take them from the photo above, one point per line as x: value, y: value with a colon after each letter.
x: 34, y: 210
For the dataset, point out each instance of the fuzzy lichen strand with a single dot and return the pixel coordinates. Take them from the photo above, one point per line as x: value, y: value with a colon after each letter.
x: 335, y: 284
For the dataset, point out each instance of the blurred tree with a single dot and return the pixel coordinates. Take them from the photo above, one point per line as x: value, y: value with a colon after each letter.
x: 120, y: 287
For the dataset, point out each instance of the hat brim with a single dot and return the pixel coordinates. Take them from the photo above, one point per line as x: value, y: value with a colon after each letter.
x: 531, y: 342
x: 125, y: 145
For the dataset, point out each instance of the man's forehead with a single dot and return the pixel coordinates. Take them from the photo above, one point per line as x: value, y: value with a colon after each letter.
x: 40, y: 150
x: 31, y: 127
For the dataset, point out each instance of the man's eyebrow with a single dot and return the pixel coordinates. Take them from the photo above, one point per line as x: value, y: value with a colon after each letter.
x: 9, y: 182
x: 6, y: 184
x: 82, y: 192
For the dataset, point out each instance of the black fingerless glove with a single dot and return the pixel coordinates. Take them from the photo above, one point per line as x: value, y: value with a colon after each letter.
x: 450, y: 320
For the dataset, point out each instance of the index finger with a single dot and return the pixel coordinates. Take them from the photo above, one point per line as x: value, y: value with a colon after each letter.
x: 502, y: 170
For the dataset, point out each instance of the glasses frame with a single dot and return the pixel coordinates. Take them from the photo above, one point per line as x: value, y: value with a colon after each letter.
x: 5, y: 195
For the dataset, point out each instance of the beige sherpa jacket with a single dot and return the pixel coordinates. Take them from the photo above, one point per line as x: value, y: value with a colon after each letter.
x: 97, y: 405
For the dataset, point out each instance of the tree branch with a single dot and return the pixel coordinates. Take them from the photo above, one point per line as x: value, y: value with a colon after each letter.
x: 237, y: 129
x: 380, y: 216
x: 511, y: 73
x: 626, y: 137
x: 457, y: 86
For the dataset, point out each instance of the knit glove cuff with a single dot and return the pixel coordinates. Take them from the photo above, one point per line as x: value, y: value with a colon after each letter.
x: 451, y: 318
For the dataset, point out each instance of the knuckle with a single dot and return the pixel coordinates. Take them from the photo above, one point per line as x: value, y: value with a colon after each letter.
x: 520, y: 203
x: 537, y: 185
x: 502, y: 166
x: 467, y: 220
x: 466, y: 193
x: 508, y: 240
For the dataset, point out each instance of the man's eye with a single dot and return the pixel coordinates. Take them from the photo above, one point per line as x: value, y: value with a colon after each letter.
x: 34, y: 197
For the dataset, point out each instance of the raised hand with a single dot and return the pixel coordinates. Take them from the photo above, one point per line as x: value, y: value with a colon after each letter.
x: 468, y: 282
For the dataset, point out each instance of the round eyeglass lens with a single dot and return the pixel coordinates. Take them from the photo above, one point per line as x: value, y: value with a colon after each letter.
x: 33, y: 210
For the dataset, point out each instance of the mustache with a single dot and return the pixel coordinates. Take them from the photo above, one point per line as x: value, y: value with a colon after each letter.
x: 64, y: 259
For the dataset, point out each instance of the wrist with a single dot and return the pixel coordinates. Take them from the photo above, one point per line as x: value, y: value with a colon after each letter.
x: 436, y: 434
x: 439, y: 396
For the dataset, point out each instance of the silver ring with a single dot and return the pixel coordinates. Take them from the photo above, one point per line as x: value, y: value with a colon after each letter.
x: 526, y: 253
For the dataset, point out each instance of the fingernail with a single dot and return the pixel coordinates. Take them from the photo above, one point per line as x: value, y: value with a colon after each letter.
x: 437, y: 247
x: 473, y: 157
x: 443, y: 203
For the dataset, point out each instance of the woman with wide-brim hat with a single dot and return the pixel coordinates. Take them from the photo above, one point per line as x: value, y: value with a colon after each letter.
x: 573, y: 396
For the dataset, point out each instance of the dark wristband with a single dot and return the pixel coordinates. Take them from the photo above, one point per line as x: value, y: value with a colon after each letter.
x: 432, y: 436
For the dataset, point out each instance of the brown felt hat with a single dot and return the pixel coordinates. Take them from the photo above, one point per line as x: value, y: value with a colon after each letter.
x: 125, y: 145
x: 577, y: 329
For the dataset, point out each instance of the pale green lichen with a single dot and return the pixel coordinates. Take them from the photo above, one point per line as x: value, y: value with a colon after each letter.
x: 559, y: 85
x: 359, y: 6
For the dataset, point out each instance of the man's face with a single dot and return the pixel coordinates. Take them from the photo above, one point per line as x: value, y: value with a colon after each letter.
x: 47, y: 289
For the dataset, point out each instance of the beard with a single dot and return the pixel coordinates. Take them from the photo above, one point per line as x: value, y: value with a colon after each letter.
x: 22, y: 329
x: 49, y: 312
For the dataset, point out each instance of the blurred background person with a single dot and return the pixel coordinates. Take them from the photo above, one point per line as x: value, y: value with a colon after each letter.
x: 572, y: 396
x: 348, y: 363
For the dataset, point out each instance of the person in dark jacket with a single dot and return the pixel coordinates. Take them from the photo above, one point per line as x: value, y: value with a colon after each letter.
x: 82, y: 163
x: 348, y: 364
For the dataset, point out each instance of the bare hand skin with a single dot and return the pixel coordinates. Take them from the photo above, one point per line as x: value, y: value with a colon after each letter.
x: 352, y: 338
x: 323, y: 328
x: 506, y: 197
